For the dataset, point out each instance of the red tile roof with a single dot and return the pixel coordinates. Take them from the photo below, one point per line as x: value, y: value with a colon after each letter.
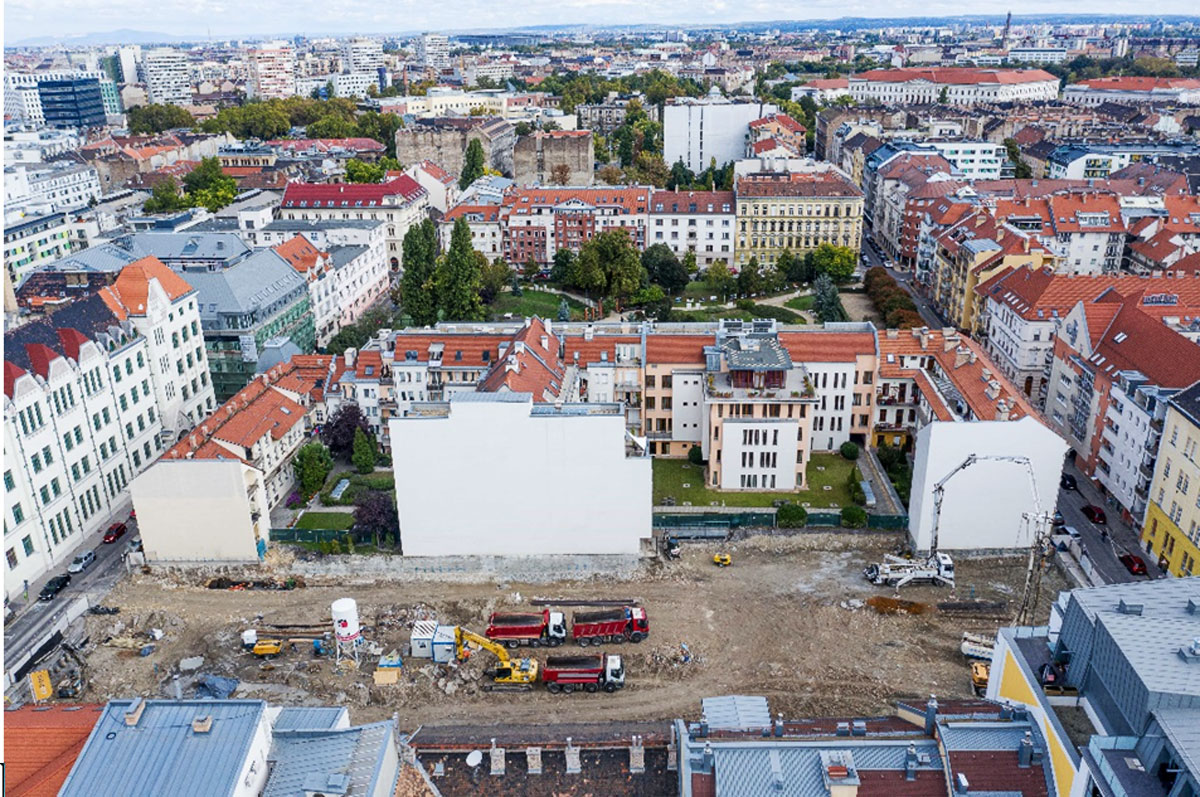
x: 824, y: 184
x: 669, y: 349
x: 527, y: 366
x: 470, y: 346
x: 300, y: 253
x: 1132, y: 340
x: 892, y: 783
x: 1134, y: 83
x: 326, y: 144
x: 436, y: 172
x: 956, y: 75
x: 628, y: 200
x: 483, y: 212
x: 819, y: 346
x: 682, y: 201
x: 347, y: 195
x: 589, y: 351
x: 998, y: 771
x: 1038, y: 294
x: 12, y: 373
x: 132, y: 286
x: 41, y: 745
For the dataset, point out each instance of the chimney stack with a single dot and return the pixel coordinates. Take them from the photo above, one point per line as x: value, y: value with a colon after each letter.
x: 993, y: 390
x: 1025, y: 752
x: 931, y: 708
x: 910, y: 762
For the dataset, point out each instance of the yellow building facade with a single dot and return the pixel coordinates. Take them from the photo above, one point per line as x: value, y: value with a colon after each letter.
x: 1171, y: 531
x: 796, y: 212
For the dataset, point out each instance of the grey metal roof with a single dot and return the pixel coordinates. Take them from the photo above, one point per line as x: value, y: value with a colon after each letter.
x: 1182, y: 728
x: 161, y: 754
x: 187, y: 245
x: 475, y: 397
x: 105, y: 257
x: 341, y: 255
x: 984, y: 736
x: 736, y: 712
x: 1188, y: 402
x: 756, y: 353
x: 350, y: 758
x: 293, y: 718
x: 258, y: 281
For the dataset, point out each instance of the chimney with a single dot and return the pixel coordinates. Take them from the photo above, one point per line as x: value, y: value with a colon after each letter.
x: 134, y: 712
x: 176, y: 689
x: 962, y: 355
x: 779, y: 725
x: 974, y: 357
x: 512, y: 364
x: 588, y: 332
x: 546, y: 342
x: 987, y: 374
x: 924, y: 340
x: 1025, y: 751
x: 961, y: 784
x: 708, y: 757
x: 202, y: 724
x: 931, y: 707
x: 993, y: 390
x: 910, y: 762
x: 1002, y: 410
x: 637, y: 756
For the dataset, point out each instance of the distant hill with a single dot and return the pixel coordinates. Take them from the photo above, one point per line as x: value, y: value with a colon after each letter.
x: 122, y: 36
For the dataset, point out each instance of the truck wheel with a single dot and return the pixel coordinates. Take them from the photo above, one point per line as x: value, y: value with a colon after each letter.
x: 636, y: 636
x: 610, y: 688
x: 535, y: 643
x: 555, y: 642
x: 568, y: 688
x: 553, y: 688
x: 584, y: 641
x: 591, y: 688
x: 512, y: 644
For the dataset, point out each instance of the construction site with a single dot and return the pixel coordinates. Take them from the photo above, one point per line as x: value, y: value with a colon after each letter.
x: 791, y: 618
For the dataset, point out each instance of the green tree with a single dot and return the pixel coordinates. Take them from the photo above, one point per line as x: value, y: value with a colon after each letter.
x: 523, y: 128
x: 473, y: 164
x: 790, y: 266
x: 364, y: 455
x: 375, y: 514
x: 613, y: 253
x: 826, y: 304
x: 531, y: 268
x: 262, y: 120
x: 586, y: 275
x: 1022, y: 171
x: 719, y: 280
x: 359, y: 171
x: 209, y: 187
x: 689, y: 263
x: 944, y: 96
x: 312, y: 464
x: 155, y: 118
x: 561, y: 266
x: 331, y: 126
x: 750, y: 278
x: 837, y: 261
x: 457, y: 277
x: 165, y: 197
x: 681, y: 176
x: 492, y: 279
x: 382, y: 127
x: 649, y: 169
x: 420, y: 257
x: 664, y: 269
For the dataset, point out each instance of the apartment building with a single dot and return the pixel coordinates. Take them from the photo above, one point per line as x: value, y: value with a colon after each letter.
x: 400, y: 202
x: 960, y: 85
x: 363, y: 56
x: 1114, y: 367
x: 781, y: 129
x: 1023, y: 310
x: 92, y: 395
x: 909, y: 177
x: 1134, y: 90
x: 272, y: 71
x: 440, y: 184
x: 700, y: 222
x: 33, y: 242
x: 433, y: 51
x: 796, y: 212
x: 699, y: 131
x: 484, y: 222
x: 53, y: 186
x: 165, y: 72
x: 343, y: 282
x: 537, y: 222
x: 1171, y: 530
x: 605, y: 117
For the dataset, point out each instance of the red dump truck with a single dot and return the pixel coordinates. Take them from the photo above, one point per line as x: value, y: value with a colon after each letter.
x: 610, y: 625
x: 586, y: 673
x: 527, y: 628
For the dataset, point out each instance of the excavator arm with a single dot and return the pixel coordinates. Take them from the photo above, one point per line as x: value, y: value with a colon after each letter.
x: 463, y: 637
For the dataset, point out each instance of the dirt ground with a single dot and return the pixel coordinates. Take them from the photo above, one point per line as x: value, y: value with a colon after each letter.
x: 784, y: 621
x: 859, y: 308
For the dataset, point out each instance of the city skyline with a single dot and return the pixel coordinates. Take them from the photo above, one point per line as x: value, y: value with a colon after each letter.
x: 64, y: 19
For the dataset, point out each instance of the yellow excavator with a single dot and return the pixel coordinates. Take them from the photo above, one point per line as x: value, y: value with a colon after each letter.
x: 509, y: 675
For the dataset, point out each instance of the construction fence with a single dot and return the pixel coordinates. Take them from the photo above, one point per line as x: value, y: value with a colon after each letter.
x: 308, y: 535
x: 717, y: 520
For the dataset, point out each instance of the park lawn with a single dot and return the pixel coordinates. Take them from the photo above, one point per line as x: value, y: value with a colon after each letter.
x: 801, y: 303
x: 823, y: 470
x: 338, y: 521
x: 532, y: 303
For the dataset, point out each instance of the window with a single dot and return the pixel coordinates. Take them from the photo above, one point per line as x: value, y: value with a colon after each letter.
x: 11, y: 555
x: 9, y: 484
x: 36, y: 461
x: 27, y: 544
x: 18, y: 514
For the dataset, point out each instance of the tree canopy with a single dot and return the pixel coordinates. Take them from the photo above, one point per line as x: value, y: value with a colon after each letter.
x: 155, y: 118
x: 474, y: 164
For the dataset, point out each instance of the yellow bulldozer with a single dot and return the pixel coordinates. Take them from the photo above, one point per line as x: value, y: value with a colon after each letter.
x: 509, y: 675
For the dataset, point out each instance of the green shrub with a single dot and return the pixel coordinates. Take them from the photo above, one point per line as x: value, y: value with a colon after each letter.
x: 745, y: 304
x: 791, y: 516
x: 849, y: 451
x: 781, y: 314
x: 854, y: 517
x: 336, y: 547
x: 695, y: 455
x: 858, y: 495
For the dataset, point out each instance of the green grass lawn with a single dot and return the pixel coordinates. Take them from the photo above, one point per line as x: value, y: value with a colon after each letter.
x: 671, y: 474
x: 325, y: 520
x: 801, y: 303
x: 531, y: 303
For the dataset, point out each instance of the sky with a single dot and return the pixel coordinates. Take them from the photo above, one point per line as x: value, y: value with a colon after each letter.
x: 228, y: 18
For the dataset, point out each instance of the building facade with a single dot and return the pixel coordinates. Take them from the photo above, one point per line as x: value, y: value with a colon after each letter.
x: 1171, y: 531
x: 165, y: 72
x: 953, y: 86
x: 272, y: 68
x: 700, y: 222
x: 796, y: 212
x: 699, y: 131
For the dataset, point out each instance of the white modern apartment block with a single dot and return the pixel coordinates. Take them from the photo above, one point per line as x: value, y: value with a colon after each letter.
x: 962, y: 85
x: 977, y: 160
x: 354, y: 84
x: 32, y: 146
x: 165, y: 72
x: 272, y: 68
x: 50, y: 187
x: 701, y: 222
x: 433, y: 51
x: 362, y: 56
x: 1038, y: 55
x: 128, y: 57
x: 34, y: 241
x: 1128, y: 442
x: 23, y: 104
x: 701, y: 130
x: 594, y: 487
x: 983, y: 504
x: 90, y: 398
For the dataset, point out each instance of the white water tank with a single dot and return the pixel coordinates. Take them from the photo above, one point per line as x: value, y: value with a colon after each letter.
x: 345, y: 619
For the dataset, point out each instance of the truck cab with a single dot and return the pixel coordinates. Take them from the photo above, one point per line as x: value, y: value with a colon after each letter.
x: 556, y: 628
x: 945, y: 566
x: 614, y: 672
x: 638, y: 621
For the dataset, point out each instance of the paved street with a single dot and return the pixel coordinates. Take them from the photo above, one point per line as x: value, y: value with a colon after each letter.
x: 1102, y: 549
x: 874, y: 258
x: 26, y: 629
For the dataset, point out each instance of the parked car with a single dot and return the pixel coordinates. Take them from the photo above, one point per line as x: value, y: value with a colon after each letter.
x: 115, y: 532
x: 53, y: 587
x: 1133, y: 563
x: 1094, y: 514
x: 82, y: 562
x: 1067, y: 482
x: 1059, y: 521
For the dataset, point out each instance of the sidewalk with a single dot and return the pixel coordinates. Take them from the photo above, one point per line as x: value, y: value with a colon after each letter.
x: 887, y: 501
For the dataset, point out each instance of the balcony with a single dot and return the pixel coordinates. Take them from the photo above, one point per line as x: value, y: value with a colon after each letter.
x: 1146, y: 470
x: 1142, y: 491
